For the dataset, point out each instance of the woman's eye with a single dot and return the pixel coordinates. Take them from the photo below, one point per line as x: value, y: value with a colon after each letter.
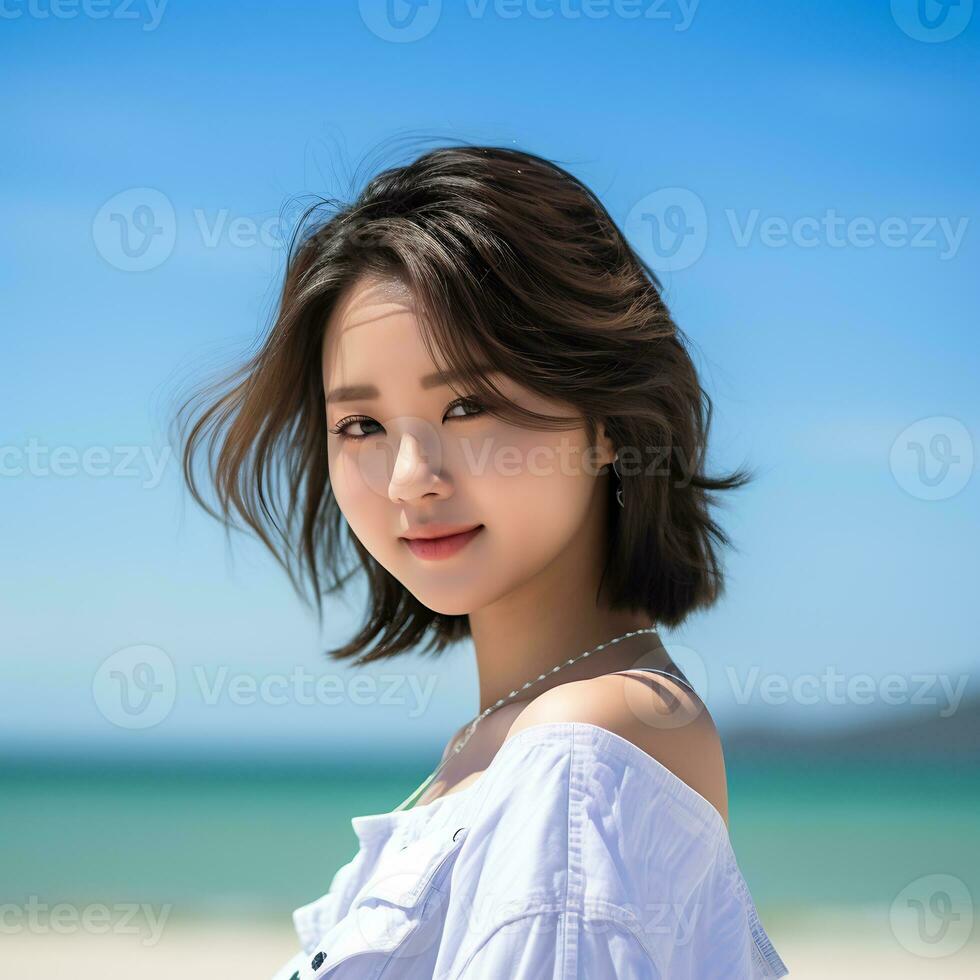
x: 468, y: 403
x: 341, y: 428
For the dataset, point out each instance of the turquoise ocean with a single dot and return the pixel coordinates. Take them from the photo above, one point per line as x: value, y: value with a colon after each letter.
x: 259, y: 840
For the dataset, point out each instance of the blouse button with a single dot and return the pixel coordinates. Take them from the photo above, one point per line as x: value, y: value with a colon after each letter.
x: 318, y: 959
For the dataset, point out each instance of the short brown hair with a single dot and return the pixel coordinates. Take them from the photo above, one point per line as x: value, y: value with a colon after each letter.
x: 518, y: 265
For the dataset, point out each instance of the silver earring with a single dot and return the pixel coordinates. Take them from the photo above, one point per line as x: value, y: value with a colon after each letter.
x: 619, y: 492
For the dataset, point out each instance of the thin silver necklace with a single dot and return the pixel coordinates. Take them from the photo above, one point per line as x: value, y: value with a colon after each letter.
x: 510, y: 697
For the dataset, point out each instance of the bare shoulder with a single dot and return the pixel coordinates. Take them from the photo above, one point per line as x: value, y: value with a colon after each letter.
x: 658, y: 715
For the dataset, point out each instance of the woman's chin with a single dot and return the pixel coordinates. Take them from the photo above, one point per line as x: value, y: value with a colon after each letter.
x: 446, y: 605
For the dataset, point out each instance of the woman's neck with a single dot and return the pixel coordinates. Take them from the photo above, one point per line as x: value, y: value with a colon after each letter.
x: 508, y: 656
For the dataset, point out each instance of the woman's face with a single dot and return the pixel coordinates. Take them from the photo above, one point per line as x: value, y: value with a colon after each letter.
x: 413, y: 453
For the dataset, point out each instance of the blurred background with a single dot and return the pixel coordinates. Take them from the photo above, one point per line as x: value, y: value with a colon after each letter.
x: 180, y: 759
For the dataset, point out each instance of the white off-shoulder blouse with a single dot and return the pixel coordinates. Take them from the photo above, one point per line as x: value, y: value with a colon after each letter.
x: 574, y: 855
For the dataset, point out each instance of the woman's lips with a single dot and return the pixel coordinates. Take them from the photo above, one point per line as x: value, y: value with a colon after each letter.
x: 436, y: 548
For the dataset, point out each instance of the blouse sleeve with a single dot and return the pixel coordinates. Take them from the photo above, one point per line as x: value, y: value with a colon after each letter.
x: 584, y: 857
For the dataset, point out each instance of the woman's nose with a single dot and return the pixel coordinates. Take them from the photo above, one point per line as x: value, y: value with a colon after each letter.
x: 417, y: 466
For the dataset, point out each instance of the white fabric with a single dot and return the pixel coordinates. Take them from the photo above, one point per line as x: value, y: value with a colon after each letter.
x: 575, y: 855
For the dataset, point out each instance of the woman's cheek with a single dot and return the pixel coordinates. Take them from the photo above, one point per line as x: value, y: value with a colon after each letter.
x: 523, y: 507
x: 359, y: 505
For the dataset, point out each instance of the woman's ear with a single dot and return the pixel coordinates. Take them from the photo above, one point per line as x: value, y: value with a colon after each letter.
x: 605, y: 446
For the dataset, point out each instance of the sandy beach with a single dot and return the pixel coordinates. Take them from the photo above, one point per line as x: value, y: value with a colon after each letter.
x: 246, y: 951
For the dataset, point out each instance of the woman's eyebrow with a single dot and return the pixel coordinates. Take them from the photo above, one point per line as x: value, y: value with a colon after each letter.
x: 365, y: 392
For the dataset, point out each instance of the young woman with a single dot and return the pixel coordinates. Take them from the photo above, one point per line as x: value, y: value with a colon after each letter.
x: 473, y: 383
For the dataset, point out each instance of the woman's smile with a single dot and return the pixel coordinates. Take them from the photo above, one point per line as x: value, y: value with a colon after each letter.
x: 434, y: 548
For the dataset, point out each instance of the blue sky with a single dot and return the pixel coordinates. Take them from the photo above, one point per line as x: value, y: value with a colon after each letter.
x: 825, y: 157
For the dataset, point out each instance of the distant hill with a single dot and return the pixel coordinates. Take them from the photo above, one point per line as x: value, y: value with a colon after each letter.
x: 924, y: 735
x: 900, y: 734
